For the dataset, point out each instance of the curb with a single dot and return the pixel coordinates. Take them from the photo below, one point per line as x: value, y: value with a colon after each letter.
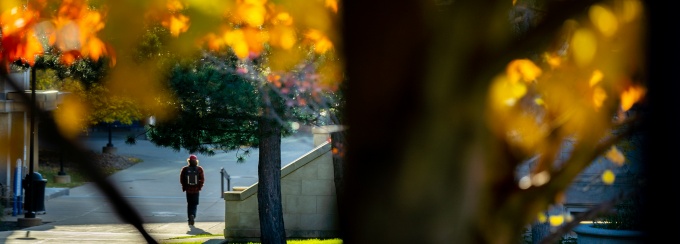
x: 53, y: 192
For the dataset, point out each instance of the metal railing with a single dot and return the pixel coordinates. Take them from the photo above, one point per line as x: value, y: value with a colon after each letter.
x: 225, y: 176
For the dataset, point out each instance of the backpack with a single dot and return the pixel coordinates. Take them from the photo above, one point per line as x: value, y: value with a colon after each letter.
x: 192, y: 175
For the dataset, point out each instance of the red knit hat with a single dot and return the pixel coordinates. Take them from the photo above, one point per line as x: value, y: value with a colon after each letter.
x: 192, y: 157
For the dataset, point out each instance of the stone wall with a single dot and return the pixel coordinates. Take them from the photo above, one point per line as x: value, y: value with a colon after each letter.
x: 308, y: 198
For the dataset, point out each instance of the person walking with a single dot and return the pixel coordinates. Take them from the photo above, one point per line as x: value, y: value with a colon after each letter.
x: 191, y: 178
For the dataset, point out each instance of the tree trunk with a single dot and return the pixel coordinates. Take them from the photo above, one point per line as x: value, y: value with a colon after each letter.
x: 423, y: 165
x: 338, y: 148
x: 269, y: 186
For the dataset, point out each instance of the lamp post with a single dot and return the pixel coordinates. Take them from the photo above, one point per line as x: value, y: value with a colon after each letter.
x: 29, y: 208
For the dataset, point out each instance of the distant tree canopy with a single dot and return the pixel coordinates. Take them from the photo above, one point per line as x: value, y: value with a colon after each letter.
x: 217, y: 102
x: 85, y: 82
x: 215, y: 109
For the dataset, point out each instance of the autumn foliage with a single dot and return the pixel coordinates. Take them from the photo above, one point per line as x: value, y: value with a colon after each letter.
x: 580, y: 87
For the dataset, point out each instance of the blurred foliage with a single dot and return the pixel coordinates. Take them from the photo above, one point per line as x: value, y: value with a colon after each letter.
x: 488, y: 87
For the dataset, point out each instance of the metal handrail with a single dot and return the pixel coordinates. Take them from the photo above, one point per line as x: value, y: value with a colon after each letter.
x: 226, y: 176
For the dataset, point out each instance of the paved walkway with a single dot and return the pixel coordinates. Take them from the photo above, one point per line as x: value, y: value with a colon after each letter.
x: 83, y: 215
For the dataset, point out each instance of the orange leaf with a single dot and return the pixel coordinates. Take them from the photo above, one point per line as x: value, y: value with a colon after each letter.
x: 69, y: 57
x: 615, y: 156
x: 596, y: 77
x: 95, y: 48
x: 177, y: 23
x: 631, y: 96
x: 320, y: 41
x: 333, y: 5
x: 523, y: 69
x: 553, y: 60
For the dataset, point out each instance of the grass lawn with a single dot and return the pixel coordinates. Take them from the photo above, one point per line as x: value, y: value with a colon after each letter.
x: 50, y: 165
x: 305, y: 241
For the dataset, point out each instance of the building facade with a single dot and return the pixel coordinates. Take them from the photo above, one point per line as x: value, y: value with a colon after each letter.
x: 15, y: 128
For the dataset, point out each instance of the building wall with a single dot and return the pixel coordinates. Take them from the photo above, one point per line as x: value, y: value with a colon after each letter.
x: 13, y: 133
x: 308, y: 199
x: 587, y: 189
x: 15, y: 128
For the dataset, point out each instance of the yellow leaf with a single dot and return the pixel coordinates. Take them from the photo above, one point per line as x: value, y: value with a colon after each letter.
x: 615, y: 156
x: 283, y: 18
x: 599, y: 95
x: 608, y: 177
x: 319, y: 40
x: 236, y: 39
x: 584, y: 45
x: 539, y: 101
x: 596, y: 77
x: 604, y: 20
x: 631, y: 10
x: 174, y: 5
x: 69, y: 117
x: 553, y: 60
x: 6, y: 5
x: 505, y: 93
x: 252, y: 12
x: 542, y: 218
x: 556, y: 220
x: 283, y: 37
x: 323, y: 45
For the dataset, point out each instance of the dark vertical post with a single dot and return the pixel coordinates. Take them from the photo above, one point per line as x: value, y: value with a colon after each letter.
x: 109, y: 144
x: 61, y: 164
x: 30, y: 212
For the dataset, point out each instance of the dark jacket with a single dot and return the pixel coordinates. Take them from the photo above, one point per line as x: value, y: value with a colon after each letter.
x: 185, y: 185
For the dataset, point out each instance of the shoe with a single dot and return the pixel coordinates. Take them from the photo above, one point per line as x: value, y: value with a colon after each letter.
x: 191, y: 220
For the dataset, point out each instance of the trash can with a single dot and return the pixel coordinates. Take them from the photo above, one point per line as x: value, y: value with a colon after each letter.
x: 37, y: 198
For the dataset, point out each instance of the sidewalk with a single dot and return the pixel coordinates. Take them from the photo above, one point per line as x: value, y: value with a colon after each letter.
x: 62, y: 224
x: 83, y: 215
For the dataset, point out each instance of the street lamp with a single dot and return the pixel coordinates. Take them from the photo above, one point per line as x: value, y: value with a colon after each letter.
x: 29, y: 208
